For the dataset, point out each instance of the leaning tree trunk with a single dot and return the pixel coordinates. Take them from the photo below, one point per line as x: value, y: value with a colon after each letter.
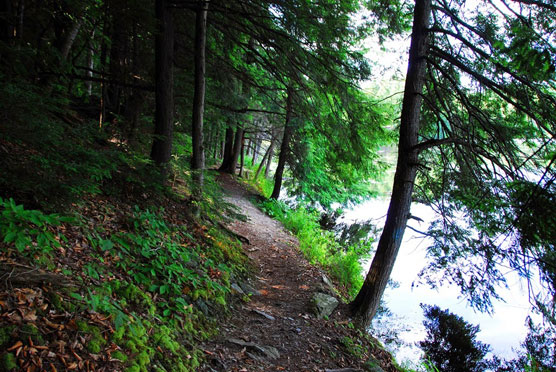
x: 263, y: 161
x: 365, y: 305
x: 256, y: 148
x: 70, y: 37
x: 284, y: 147
x: 164, y: 85
x: 270, y: 155
x: 198, y: 157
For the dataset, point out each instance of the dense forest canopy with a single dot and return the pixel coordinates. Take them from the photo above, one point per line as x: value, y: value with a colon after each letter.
x: 183, y: 84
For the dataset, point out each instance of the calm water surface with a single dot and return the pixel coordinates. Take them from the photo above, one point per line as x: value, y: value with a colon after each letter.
x: 504, y: 330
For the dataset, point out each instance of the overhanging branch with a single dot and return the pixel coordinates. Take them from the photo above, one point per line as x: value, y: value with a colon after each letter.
x: 243, y: 110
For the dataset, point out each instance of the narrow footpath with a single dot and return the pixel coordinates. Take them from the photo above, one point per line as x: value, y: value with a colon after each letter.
x: 276, y: 330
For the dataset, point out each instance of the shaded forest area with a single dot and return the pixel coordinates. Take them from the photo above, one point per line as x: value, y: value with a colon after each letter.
x: 116, y: 113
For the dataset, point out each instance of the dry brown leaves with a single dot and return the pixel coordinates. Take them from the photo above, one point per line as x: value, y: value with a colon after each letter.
x: 44, y: 338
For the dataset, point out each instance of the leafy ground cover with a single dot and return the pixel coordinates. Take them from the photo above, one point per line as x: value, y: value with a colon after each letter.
x: 102, y: 267
x: 112, y: 287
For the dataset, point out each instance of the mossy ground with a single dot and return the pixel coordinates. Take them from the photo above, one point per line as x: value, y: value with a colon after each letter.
x: 149, y: 283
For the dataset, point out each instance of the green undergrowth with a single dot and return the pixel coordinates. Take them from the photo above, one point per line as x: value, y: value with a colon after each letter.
x: 160, y: 282
x: 53, y: 155
x: 320, y: 246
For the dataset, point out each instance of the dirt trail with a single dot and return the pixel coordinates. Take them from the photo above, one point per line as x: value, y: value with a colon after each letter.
x: 276, y: 330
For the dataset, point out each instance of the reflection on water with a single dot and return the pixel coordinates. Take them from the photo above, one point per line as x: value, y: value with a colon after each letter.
x: 504, y: 330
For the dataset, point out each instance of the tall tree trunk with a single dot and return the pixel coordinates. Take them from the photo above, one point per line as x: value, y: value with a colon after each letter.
x: 236, y: 150
x: 256, y: 148
x: 103, y: 61
x: 242, y: 153
x: 228, y: 150
x: 70, y: 37
x: 135, y: 100
x: 216, y: 147
x: 365, y: 305
x: 270, y: 153
x: 262, y: 163
x: 249, y: 146
x: 164, y: 85
x: 284, y: 147
x: 118, y: 54
x: 90, y: 64
x: 198, y: 157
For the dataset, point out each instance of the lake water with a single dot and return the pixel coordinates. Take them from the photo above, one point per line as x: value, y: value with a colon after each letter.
x: 504, y: 330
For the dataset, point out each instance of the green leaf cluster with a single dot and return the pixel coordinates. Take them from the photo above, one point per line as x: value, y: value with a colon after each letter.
x: 28, y: 230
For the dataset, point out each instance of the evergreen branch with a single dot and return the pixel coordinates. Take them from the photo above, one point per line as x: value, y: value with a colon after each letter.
x: 243, y: 110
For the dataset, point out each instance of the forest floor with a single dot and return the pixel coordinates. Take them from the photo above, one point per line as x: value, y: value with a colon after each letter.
x: 275, y: 329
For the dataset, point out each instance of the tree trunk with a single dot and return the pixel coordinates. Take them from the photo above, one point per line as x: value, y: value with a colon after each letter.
x: 228, y: 150
x: 198, y: 157
x: 249, y: 146
x: 284, y: 147
x: 118, y: 53
x: 236, y: 150
x: 70, y: 37
x: 262, y: 163
x: 164, y: 85
x: 270, y: 154
x: 90, y: 64
x: 216, y: 147
x: 365, y: 305
x: 256, y: 148
x: 242, y: 153
x: 103, y: 62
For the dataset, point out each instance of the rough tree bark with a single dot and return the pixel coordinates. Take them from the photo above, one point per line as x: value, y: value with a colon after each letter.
x: 164, y: 85
x: 365, y: 305
x: 284, y: 147
x: 198, y: 156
